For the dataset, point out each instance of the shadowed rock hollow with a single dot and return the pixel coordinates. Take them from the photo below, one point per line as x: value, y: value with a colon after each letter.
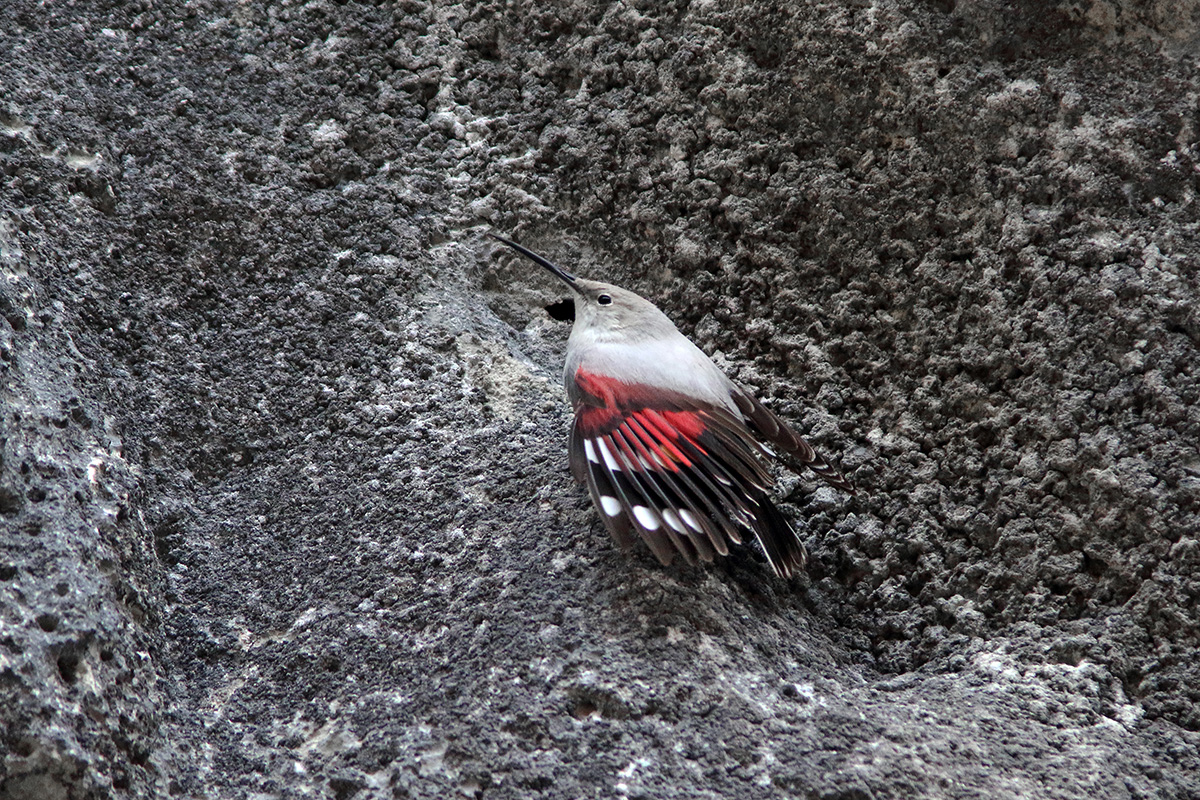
x: 284, y: 508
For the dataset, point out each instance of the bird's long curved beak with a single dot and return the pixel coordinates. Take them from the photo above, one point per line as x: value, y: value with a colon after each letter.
x: 557, y: 271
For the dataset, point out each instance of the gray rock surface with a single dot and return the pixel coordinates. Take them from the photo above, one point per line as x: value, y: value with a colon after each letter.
x: 284, y: 509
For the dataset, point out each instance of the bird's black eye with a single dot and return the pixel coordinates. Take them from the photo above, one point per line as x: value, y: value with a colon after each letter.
x: 603, y: 299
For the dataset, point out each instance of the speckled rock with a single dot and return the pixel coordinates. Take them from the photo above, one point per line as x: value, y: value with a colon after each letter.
x: 284, y: 507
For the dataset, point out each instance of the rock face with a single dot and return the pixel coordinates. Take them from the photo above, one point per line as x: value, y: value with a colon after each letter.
x: 284, y: 508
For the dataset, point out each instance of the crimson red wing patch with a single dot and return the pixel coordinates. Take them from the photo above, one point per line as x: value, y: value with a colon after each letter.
x: 688, y: 478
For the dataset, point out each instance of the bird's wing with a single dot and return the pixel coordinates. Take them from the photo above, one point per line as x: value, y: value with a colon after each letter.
x: 770, y: 428
x: 687, y: 476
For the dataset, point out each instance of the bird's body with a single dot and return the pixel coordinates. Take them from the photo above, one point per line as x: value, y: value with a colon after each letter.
x: 666, y: 443
x: 691, y: 372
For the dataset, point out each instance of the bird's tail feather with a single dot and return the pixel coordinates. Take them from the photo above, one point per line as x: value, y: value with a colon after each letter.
x: 778, y: 539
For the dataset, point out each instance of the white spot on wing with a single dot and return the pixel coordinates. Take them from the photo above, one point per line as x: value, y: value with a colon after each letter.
x: 646, y: 518
x: 610, y: 505
x: 690, y: 519
x: 591, y: 451
x: 612, y: 463
x: 672, y: 519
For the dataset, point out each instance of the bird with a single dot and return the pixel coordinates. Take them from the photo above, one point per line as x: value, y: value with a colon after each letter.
x: 668, y: 446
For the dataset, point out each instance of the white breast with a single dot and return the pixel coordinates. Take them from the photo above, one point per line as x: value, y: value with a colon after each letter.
x: 672, y: 363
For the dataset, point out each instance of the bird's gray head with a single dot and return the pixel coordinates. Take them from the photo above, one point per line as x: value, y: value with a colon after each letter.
x: 604, y: 312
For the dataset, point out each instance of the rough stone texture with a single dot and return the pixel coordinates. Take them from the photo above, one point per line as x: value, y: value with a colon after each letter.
x: 283, y: 500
